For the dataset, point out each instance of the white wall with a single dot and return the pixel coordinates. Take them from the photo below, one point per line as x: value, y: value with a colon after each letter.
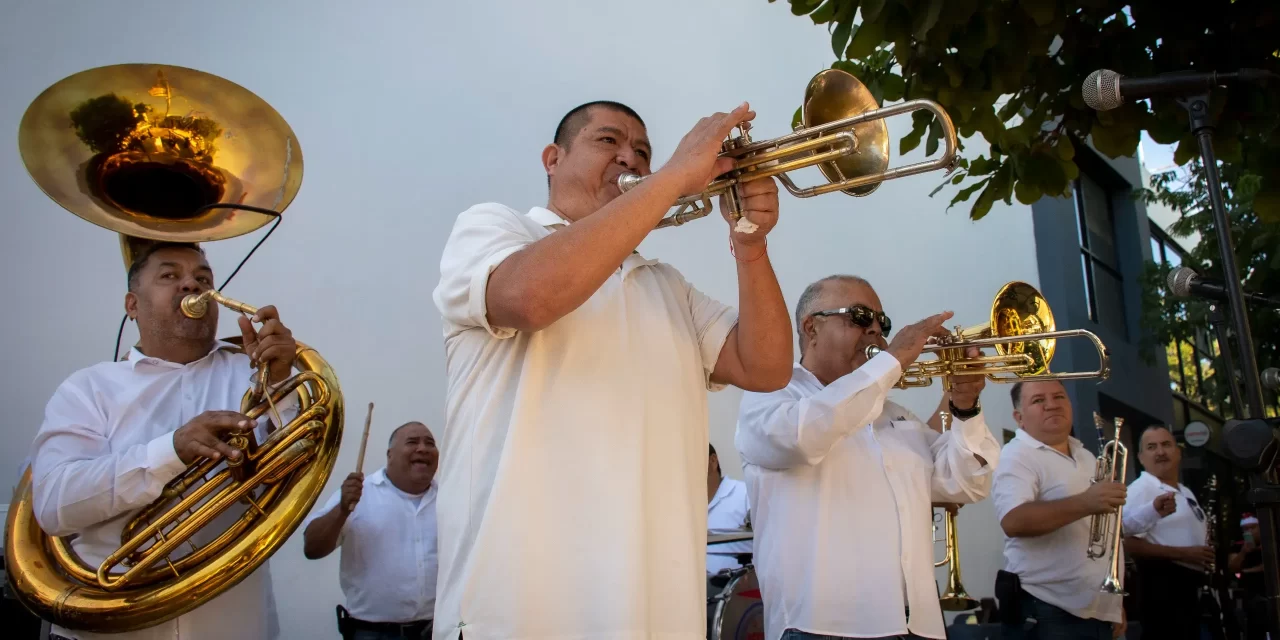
x: 408, y: 113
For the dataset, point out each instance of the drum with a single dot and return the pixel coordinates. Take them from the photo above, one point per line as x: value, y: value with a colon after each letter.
x: 739, y: 611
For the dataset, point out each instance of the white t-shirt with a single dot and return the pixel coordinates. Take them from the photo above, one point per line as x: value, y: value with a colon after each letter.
x: 573, y: 479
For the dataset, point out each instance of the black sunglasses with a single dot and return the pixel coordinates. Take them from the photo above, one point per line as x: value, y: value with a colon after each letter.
x: 862, y: 316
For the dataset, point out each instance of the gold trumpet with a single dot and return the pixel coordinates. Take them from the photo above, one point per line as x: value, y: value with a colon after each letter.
x: 1021, y: 330
x: 955, y: 598
x: 1105, y: 529
x: 841, y: 131
x: 164, y: 153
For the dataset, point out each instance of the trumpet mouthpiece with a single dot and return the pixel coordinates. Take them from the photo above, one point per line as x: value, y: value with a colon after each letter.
x: 194, y: 306
x: 628, y: 181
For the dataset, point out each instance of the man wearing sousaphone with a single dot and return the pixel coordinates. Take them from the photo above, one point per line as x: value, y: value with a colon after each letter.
x: 842, y: 481
x: 116, y: 432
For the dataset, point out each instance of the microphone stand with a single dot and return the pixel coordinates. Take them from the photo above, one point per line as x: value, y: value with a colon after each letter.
x: 1261, y: 493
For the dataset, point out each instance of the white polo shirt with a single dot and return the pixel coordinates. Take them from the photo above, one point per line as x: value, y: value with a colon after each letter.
x: 573, y: 491
x: 1185, y: 527
x: 388, y: 564
x: 1053, y: 567
x: 727, y: 511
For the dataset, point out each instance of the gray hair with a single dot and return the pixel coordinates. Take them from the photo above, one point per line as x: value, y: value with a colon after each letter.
x: 808, y: 303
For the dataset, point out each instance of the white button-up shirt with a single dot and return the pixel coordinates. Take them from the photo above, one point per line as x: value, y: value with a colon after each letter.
x: 573, y: 488
x: 105, y: 450
x: 727, y: 511
x: 1185, y: 527
x: 388, y: 564
x: 841, y: 482
x: 1053, y: 567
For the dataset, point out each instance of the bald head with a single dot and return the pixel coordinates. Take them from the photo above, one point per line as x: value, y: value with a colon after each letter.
x: 412, y: 457
x: 822, y: 295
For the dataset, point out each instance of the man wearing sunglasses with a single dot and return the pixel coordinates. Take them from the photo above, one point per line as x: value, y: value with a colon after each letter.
x: 1165, y: 533
x: 841, y: 480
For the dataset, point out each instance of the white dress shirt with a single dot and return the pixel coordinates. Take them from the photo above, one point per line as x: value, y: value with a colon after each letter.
x: 388, y: 564
x: 727, y: 511
x: 1053, y: 567
x: 106, y: 450
x: 1185, y: 527
x: 573, y: 489
x: 841, y: 482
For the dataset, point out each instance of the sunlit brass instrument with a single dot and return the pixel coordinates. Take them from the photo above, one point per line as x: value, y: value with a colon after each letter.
x: 1106, y: 529
x: 1022, y: 332
x: 841, y: 131
x: 955, y: 598
x: 164, y: 153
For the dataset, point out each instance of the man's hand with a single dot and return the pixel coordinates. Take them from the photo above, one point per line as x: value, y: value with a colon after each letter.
x: 696, y: 160
x: 272, y: 345
x: 1165, y: 504
x: 352, y: 489
x: 966, y: 389
x: 758, y: 203
x: 1199, y: 556
x: 910, y: 341
x: 1102, y: 497
x: 202, y: 436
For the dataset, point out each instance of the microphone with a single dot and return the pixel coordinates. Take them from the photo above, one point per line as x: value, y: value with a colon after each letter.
x: 1184, y: 282
x: 1105, y: 89
x: 1271, y: 378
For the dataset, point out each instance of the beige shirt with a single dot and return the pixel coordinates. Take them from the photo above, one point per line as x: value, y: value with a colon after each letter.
x: 573, y: 475
x: 1053, y: 567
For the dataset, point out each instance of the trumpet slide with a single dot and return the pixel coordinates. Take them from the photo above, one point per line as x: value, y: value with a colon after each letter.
x: 1021, y: 330
x: 841, y: 132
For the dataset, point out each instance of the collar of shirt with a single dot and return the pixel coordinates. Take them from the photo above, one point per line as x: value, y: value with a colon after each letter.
x: 137, y: 357
x: 726, y: 487
x: 1073, y: 445
x: 1152, y: 479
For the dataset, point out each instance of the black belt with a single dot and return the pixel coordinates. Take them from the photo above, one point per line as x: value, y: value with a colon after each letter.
x: 415, y: 629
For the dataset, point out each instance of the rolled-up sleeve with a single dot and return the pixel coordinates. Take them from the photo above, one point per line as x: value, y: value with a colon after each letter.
x: 957, y: 474
x: 482, y: 237
x: 1014, y: 485
x: 783, y: 429
x: 712, y: 322
x: 77, y: 481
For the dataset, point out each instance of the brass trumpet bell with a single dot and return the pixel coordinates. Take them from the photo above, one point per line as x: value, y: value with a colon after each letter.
x: 1022, y: 331
x: 142, y: 149
x: 834, y: 95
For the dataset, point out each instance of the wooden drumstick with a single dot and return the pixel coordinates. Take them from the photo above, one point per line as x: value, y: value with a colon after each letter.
x: 368, y: 420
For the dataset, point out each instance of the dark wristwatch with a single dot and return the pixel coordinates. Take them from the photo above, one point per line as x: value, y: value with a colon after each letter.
x: 965, y: 414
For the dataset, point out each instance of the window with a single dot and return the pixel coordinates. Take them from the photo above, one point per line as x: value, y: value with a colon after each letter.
x: 1103, y: 284
x: 1190, y: 360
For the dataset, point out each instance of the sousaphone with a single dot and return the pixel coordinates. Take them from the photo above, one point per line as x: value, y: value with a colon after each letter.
x: 163, y: 153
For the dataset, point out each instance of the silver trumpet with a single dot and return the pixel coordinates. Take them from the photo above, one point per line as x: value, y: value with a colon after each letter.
x: 1105, y: 529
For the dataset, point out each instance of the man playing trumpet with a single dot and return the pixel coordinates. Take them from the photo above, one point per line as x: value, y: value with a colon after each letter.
x: 115, y: 433
x: 842, y: 481
x: 571, y: 499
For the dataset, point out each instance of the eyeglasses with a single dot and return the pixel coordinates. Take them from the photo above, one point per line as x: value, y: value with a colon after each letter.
x: 861, y: 315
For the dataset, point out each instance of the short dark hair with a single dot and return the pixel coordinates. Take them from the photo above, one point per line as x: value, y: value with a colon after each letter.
x: 392, y: 439
x: 140, y: 261
x: 576, y: 119
x: 713, y: 450
x: 1015, y: 394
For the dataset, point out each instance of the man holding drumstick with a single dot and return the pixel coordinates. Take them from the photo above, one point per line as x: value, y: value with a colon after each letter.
x: 386, y: 525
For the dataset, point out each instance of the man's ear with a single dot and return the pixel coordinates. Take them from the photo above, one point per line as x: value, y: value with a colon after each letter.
x: 551, y: 155
x: 1017, y: 417
x: 131, y: 305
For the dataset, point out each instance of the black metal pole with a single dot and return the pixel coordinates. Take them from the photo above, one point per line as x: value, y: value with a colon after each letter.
x: 1202, y: 127
x: 1218, y: 319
